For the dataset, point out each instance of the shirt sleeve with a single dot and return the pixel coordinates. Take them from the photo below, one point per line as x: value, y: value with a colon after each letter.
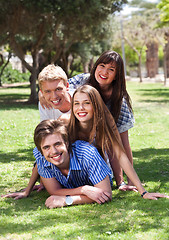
x: 43, y: 113
x: 126, y: 118
x: 78, y: 80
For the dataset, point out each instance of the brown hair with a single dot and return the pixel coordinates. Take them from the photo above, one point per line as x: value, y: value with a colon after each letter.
x: 48, y: 127
x: 104, y: 133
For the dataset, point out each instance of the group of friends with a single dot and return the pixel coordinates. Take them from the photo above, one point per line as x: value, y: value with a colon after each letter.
x: 82, y: 138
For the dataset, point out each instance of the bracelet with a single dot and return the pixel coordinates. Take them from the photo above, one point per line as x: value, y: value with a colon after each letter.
x: 143, y: 193
x: 121, y: 184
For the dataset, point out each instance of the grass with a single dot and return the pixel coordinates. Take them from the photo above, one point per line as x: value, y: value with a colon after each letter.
x: 127, y: 217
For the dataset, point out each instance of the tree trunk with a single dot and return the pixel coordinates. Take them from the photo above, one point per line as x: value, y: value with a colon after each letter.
x: 139, y: 68
x: 86, y: 67
x: 152, y: 62
x: 33, y: 98
x: 5, y: 65
x: 167, y: 53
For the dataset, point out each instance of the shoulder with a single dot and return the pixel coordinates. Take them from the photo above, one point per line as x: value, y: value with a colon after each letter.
x: 48, y: 113
x: 65, y: 118
x: 78, y: 80
x: 84, y: 151
x: 83, y: 145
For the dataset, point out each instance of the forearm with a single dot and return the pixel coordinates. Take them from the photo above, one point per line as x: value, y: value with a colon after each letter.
x: 81, y: 199
x: 126, y: 145
x: 130, y: 172
x: 32, y: 180
x: 117, y: 170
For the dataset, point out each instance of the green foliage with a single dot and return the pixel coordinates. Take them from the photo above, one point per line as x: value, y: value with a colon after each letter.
x: 11, y: 75
x: 164, y: 8
x: 127, y: 217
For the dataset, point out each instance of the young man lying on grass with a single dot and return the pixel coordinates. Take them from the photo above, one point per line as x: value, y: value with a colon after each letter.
x: 74, y: 174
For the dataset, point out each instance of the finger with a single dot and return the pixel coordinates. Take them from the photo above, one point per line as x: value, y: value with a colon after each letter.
x: 9, y: 196
x: 108, y: 196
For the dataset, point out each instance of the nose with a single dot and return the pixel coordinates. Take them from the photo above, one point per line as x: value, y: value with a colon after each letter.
x: 54, y: 95
x: 54, y: 150
x: 81, y: 106
x: 105, y: 71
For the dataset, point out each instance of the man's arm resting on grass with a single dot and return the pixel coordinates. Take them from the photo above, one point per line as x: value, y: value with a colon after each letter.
x: 28, y: 189
x: 99, y: 193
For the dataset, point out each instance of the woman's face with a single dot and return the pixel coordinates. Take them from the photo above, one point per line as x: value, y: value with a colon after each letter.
x: 105, y: 73
x: 82, y: 107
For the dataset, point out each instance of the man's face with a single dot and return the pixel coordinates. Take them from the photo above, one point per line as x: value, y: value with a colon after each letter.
x: 55, y: 150
x: 54, y: 92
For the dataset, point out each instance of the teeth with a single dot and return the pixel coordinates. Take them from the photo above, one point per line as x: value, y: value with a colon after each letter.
x: 102, y: 76
x: 55, y: 101
x: 82, y: 114
x: 56, y: 157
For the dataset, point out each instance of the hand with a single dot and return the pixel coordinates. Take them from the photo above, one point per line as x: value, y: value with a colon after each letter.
x: 128, y: 188
x: 154, y: 196
x: 43, y: 101
x: 16, y: 195
x: 39, y: 188
x: 55, y: 201
x: 97, y: 194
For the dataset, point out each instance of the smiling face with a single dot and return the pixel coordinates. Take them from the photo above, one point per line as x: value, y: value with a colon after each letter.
x: 105, y: 73
x: 82, y: 107
x: 55, y: 150
x: 55, y: 92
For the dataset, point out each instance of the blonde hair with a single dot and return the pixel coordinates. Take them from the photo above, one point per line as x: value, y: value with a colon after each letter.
x: 51, y: 73
x: 104, y: 134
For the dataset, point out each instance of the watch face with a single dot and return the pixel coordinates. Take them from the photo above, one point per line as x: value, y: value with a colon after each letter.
x: 69, y: 200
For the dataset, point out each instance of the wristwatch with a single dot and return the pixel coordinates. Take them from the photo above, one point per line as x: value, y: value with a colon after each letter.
x: 69, y: 200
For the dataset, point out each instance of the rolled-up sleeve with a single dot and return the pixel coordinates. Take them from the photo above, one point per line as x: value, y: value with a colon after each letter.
x: 126, y: 119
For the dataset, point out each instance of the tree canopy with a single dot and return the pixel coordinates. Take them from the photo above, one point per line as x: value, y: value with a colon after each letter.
x: 52, y: 27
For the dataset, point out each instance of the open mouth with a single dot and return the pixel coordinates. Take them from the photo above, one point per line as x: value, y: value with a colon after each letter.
x: 103, y: 77
x: 56, y: 102
x: 56, y: 157
x: 82, y: 114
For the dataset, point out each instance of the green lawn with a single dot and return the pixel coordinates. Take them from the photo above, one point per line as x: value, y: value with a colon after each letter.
x: 127, y: 217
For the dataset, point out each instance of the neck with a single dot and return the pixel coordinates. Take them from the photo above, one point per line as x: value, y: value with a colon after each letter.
x: 85, y: 129
x: 106, y: 91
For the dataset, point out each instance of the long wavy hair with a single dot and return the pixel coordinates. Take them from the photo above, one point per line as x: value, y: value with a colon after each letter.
x: 118, y: 84
x: 103, y: 130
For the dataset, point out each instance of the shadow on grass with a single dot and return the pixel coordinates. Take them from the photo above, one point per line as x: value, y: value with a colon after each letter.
x: 152, y: 164
x: 159, y: 95
x: 18, y: 156
x: 126, y: 212
x: 15, y: 101
x: 11, y: 100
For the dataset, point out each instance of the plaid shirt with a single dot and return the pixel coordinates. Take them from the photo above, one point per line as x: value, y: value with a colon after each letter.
x: 126, y: 118
x: 87, y: 167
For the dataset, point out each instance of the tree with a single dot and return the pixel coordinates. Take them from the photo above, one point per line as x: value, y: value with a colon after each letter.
x: 51, y: 27
x: 163, y: 24
x: 164, y: 8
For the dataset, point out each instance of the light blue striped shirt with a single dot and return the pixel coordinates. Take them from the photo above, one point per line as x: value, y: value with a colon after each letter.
x: 87, y: 167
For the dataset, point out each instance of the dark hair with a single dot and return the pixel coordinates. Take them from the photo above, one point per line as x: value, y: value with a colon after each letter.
x: 118, y: 84
x: 48, y: 127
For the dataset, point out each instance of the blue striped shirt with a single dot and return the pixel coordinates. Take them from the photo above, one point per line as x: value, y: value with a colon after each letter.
x: 126, y: 118
x: 86, y: 167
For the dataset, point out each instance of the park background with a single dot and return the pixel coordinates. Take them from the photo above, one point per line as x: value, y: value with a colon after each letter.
x: 73, y: 34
